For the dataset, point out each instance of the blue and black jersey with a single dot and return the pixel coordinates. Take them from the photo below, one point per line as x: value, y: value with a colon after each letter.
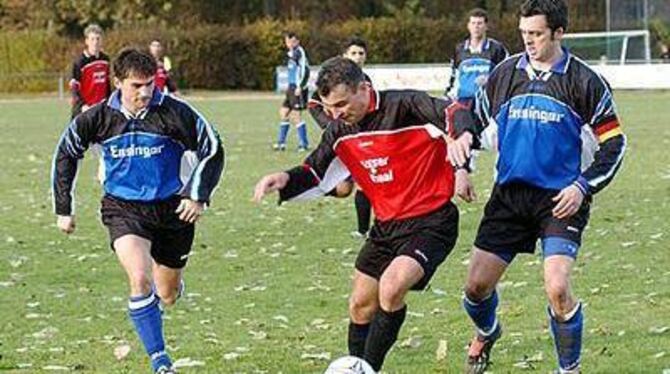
x: 166, y: 149
x: 298, y: 68
x: 554, y: 127
x: 471, y: 67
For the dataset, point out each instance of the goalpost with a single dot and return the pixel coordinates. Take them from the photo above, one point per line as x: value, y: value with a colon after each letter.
x: 620, y: 47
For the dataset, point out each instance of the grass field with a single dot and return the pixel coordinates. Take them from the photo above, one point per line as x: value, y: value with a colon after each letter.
x: 267, y: 287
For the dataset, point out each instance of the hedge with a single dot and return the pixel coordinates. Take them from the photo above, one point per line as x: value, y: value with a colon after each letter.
x: 244, y: 57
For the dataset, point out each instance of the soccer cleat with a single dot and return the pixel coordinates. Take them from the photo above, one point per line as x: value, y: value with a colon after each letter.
x: 166, y: 370
x: 279, y: 147
x: 358, y: 235
x: 479, y: 353
x: 303, y: 149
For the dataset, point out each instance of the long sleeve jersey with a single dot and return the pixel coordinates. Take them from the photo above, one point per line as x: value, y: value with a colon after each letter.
x: 470, y: 68
x: 397, y: 154
x: 554, y: 127
x: 166, y: 149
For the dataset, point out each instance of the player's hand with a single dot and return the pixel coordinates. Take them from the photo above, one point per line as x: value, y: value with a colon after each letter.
x: 464, y: 187
x: 189, y: 210
x: 568, y: 202
x: 459, y: 149
x: 297, y: 91
x: 66, y: 224
x: 85, y: 108
x: 270, y: 183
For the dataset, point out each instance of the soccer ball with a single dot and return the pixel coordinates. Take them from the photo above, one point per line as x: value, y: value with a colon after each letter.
x: 349, y: 365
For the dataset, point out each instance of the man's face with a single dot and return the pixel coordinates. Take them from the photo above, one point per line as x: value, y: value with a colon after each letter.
x: 477, y: 27
x: 156, y: 49
x: 537, y: 37
x: 136, y: 91
x: 93, y: 42
x: 356, y: 54
x: 291, y: 42
x: 347, y: 104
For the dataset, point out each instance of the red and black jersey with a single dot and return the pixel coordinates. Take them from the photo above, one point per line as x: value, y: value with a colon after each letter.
x: 397, y: 154
x: 90, y: 79
x: 162, y: 79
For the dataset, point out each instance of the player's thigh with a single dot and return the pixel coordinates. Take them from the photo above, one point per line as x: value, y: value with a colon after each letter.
x: 295, y: 116
x: 400, y: 276
x: 134, y: 254
x: 364, y: 289
x: 284, y: 111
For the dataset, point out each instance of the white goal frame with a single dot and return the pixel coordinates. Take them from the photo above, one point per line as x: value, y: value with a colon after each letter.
x: 626, y: 34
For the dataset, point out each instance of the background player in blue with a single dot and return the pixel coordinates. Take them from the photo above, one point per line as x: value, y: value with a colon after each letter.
x: 296, y: 94
x: 559, y: 143
x: 151, y: 202
x: 474, y: 58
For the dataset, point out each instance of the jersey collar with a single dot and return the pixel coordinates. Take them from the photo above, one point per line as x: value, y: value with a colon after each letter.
x: 560, y: 67
x: 485, y: 45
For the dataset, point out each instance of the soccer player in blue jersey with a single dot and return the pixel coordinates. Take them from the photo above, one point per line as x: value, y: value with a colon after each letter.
x: 152, y: 198
x: 559, y: 143
x: 296, y: 94
x: 474, y: 58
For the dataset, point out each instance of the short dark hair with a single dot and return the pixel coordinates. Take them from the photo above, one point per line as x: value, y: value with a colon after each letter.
x: 556, y: 12
x: 290, y: 35
x: 479, y: 13
x: 132, y: 60
x: 336, y: 71
x: 357, y: 41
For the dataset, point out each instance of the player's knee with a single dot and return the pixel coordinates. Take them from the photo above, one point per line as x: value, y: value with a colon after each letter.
x: 168, y: 298
x: 392, y: 294
x: 140, y: 283
x: 558, y: 294
x: 361, y: 309
x: 476, y: 290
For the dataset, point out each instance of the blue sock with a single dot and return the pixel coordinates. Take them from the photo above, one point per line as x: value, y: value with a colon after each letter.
x: 483, y: 313
x: 302, y: 134
x: 283, y: 132
x: 146, y: 316
x: 568, y: 337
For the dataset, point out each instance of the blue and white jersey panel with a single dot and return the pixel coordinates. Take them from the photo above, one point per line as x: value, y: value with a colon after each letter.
x: 142, y: 166
x: 471, y: 73
x: 539, y: 142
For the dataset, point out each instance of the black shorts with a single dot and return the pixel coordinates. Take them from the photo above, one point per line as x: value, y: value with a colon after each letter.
x: 428, y: 239
x: 517, y: 215
x: 295, y: 102
x: 171, y: 238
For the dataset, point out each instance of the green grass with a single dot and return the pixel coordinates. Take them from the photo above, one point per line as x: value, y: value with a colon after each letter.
x: 269, y: 284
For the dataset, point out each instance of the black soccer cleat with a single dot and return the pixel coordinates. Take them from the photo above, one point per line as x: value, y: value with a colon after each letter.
x: 479, y: 353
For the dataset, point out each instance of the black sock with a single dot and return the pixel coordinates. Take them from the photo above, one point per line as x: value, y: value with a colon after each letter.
x: 357, y: 336
x: 383, y: 333
x: 362, y: 211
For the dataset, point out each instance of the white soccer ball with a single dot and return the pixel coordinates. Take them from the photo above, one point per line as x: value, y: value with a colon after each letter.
x: 349, y: 365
